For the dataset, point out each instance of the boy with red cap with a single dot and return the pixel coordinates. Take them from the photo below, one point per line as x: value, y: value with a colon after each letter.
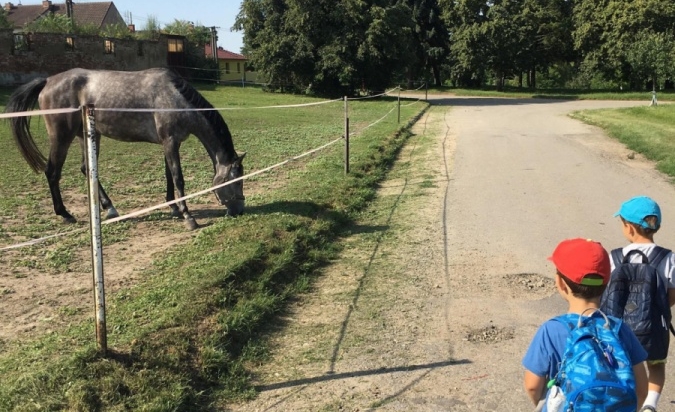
x: 582, y: 274
x: 640, y: 220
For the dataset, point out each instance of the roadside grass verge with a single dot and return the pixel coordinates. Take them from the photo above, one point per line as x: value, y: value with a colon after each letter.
x: 565, y: 94
x: 182, y: 337
x: 646, y: 130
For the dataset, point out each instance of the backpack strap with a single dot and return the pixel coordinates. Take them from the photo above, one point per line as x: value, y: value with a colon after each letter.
x: 626, y: 259
x: 658, y: 254
x: 617, y: 256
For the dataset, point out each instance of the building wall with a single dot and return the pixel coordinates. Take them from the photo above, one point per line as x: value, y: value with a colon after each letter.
x: 49, y: 54
x: 235, y: 75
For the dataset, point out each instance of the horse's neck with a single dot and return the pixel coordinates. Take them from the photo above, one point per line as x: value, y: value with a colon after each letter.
x: 219, y: 151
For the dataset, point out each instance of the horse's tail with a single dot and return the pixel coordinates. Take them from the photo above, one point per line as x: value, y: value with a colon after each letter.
x: 23, y: 99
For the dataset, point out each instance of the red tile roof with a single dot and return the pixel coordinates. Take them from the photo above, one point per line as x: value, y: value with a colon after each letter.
x: 84, y: 13
x: 223, y: 54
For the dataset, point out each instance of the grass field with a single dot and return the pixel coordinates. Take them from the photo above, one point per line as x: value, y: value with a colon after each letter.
x: 558, y: 94
x: 646, y: 130
x: 182, y: 336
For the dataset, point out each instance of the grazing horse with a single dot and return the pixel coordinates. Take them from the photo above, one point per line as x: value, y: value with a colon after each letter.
x: 148, y: 89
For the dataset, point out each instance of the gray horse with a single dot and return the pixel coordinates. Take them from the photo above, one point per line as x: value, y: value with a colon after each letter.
x: 148, y: 89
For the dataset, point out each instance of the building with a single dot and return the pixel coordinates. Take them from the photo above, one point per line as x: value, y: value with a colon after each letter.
x: 232, y: 65
x: 97, y: 14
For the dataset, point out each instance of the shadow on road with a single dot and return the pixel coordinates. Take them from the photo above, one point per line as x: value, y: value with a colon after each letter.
x: 368, y: 372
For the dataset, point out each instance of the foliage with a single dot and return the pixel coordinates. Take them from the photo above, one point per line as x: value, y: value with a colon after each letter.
x: 4, y: 23
x: 197, y: 34
x: 328, y: 47
x: 150, y: 30
x: 651, y: 56
x: 51, y: 23
x: 117, y: 31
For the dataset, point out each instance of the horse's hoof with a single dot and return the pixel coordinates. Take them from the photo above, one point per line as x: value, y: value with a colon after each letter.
x: 112, y: 213
x: 191, y: 223
x: 175, y: 213
x: 69, y: 220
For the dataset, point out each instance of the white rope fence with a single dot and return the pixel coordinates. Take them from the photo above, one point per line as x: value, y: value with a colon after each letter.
x: 147, y: 210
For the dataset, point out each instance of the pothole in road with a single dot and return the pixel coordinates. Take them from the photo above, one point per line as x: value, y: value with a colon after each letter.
x: 490, y: 334
x: 532, y: 282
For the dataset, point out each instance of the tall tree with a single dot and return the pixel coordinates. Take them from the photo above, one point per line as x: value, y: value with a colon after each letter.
x: 606, y: 30
x: 432, y: 37
x: 326, y: 46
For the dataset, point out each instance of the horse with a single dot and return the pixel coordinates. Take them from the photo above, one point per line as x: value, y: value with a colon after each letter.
x: 147, y: 89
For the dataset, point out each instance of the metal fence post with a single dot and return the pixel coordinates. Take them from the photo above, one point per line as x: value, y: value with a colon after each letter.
x: 346, y: 135
x: 95, y: 227
x: 399, y: 104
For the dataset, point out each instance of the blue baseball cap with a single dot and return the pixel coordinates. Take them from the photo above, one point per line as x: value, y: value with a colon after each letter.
x: 637, y: 209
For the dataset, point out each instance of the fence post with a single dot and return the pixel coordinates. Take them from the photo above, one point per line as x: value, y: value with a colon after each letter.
x: 346, y: 135
x: 426, y: 91
x: 399, y: 104
x: 95, y: 227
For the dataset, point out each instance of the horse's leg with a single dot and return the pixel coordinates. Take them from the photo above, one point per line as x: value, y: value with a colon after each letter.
x: 170, y: 195
x: 57, y: 157
x: 106, y: 203
x: 172, y: 159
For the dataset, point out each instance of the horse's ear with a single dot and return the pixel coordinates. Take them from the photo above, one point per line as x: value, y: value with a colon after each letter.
x: 241, y: 156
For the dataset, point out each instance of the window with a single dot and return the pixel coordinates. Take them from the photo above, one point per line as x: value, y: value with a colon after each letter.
x: 109, y: 47
x: 21, y: 42
x: 227, y: 67
x: 70, y: 43
x: 238, y: 67
x: 175, y: 45
x: 140, y: 48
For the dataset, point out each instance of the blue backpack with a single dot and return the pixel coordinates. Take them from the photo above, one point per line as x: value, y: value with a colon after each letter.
x: 595, y: 373
x: 638, y: 295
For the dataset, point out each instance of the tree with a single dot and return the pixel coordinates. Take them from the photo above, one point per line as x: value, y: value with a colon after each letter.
x: 606, y: 30
x: 651, y: 56
x: 325, y: 46
x: 432, y: 37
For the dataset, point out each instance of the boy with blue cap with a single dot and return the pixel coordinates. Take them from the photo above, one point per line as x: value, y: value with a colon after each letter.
x: 641, y: 219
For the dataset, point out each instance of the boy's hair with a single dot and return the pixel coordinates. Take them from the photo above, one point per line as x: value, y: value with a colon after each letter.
x: 584, y: 291
x: 643, y: 231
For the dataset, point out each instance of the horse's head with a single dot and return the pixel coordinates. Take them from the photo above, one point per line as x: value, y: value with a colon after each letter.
x: 232, y: 195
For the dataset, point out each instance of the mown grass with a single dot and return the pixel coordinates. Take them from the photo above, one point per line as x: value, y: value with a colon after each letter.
x: 569, y: 94
x: 181, y: 338
x: 646, y: 130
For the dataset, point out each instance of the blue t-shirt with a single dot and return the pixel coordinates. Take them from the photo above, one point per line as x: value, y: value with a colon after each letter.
x: 545, y: 353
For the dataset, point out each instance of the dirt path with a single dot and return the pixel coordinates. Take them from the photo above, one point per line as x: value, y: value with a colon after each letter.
x: 439, y: 291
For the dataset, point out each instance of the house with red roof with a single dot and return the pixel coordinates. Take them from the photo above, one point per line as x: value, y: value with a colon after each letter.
x: 97, y: 14
x: 232, y: 65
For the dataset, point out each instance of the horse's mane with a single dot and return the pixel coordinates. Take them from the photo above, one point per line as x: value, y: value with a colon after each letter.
x: 213, y: 117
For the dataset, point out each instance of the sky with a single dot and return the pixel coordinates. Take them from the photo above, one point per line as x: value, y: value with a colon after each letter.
x: 219, y: 13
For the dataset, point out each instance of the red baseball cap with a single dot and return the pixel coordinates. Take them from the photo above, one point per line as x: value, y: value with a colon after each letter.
x: 576, y: 258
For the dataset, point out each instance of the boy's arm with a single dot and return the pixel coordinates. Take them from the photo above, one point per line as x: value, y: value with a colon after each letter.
x: 534, y: 386
x: 641, y: 382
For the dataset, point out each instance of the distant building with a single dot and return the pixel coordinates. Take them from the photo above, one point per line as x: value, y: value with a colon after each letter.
x: 98, y: 14
x: 232, y: 65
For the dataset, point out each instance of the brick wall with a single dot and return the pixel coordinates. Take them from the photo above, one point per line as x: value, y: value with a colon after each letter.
x: 48, y: 54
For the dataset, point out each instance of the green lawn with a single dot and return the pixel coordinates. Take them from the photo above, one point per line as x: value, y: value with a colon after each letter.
x: 181, y: 339
x: 647, y: 130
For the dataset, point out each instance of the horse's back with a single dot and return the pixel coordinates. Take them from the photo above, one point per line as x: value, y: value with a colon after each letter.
x: 111, y: 89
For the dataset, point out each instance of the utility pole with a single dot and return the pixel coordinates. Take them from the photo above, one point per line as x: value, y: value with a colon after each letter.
x: 214, y: 43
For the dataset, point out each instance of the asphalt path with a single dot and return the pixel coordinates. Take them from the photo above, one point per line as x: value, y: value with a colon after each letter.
x: 522, y: 177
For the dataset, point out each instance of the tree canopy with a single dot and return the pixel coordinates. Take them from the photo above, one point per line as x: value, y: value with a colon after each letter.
x: 342, y: 46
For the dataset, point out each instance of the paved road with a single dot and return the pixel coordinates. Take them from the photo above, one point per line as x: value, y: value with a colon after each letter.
x: 437, y: 315
x: 524, y: 175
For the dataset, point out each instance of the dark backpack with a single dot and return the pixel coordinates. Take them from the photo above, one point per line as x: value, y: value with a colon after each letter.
x: 638, y: 295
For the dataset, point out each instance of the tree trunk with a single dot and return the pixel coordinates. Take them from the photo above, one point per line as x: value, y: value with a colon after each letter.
x: 520, y: 80
x: 437, y: 75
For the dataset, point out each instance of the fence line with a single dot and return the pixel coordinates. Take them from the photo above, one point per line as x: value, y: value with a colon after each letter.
x: 190, y: 196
